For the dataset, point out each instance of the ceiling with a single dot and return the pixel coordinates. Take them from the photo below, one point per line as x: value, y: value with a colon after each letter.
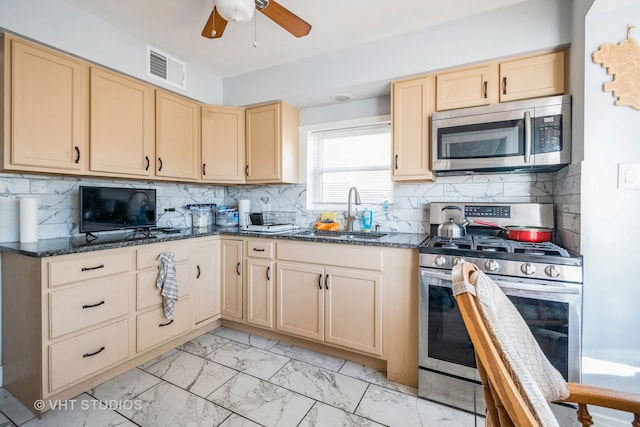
x: 175, y: 26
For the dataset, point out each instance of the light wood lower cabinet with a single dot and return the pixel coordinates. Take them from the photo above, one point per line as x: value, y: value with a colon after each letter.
x: 231, y: 278
x: 336, y: 305
x: 331, y: 303
x: 71, y: 322
x: 206, y: 283
x: 260, y: 276
x: 88, y: 353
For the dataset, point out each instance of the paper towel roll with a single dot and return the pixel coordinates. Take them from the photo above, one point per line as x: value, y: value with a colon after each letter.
x: 244, y: 207
x: 28, y: 220
x: 9, y: 230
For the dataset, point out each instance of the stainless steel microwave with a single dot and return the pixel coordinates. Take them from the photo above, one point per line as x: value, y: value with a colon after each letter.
x: 533, y: 135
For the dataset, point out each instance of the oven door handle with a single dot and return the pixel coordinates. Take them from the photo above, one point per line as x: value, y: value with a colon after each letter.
x: 508, y: 285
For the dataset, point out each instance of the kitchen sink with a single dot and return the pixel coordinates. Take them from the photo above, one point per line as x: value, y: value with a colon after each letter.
x: 340, y: 235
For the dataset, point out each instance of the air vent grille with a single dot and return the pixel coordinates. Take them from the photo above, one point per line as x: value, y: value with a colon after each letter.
x: 165, y: 67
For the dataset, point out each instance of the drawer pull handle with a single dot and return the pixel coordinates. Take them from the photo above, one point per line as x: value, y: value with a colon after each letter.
x: 92, y: 305
x: 165, y: 324
x: 93, y: 268
x: 486, y: 95
x: 94, y: 353
x: 198, y: 275
x: 77, y: 149
x: 258, y: 249
x: 238, y: 269
x: 326, y: 281
x: 320, y: 281
x: 148, y: 163
x: 504, y: 85
x: 268, y: 273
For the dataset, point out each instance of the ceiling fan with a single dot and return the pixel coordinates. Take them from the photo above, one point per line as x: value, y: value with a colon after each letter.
x: 243, y: 10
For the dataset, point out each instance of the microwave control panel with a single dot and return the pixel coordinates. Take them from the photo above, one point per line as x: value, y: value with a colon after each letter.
x: 548, y: 134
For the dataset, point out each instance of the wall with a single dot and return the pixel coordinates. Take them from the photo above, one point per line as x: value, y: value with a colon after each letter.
x: 609, y: 233
x: 524, y: 27
x: 70, y: 29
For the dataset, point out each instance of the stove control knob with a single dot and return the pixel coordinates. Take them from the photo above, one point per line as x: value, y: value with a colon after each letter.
x: 552, y: 271
x: 439, y: 261
x: 458, y: 260
x: 528, y: 268
x: 491, y: 265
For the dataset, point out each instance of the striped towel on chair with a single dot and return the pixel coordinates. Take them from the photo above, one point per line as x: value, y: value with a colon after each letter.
x: 167, y: 282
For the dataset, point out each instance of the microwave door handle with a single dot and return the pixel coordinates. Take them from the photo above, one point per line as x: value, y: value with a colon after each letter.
x: 527, y: 137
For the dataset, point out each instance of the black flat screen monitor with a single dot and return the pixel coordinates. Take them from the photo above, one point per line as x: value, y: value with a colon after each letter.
x: 110, y: 208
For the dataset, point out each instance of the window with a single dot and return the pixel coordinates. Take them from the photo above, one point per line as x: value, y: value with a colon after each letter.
x: 339, y: 158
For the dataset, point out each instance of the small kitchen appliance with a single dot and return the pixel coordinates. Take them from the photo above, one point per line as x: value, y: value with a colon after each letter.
x: 542, y: 279
x: 532, y: 135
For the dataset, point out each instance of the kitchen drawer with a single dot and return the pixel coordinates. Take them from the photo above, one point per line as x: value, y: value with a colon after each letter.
x: 87, y: 354
x: 261, y: 248
x: 76, y: 308
x: 79, y: 267
x: 154, y: 328
x: 147, y: 256
x: 352, y: 256
x: 147, y: 291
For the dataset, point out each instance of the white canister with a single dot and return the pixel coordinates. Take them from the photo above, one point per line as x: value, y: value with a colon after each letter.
x: 244, y: 208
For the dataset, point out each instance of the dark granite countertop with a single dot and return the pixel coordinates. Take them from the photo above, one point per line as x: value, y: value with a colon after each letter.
x: 72, y: 245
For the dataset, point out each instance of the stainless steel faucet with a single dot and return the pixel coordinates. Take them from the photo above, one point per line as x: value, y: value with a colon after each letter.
x: 350, y: 218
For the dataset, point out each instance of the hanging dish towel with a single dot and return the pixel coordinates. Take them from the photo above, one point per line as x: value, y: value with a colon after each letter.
x: 167, y: 282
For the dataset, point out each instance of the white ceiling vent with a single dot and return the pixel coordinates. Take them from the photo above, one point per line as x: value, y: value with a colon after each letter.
x: 162, y: 66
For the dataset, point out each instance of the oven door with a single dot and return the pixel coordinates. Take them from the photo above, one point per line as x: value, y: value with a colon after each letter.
x: 552, y: 311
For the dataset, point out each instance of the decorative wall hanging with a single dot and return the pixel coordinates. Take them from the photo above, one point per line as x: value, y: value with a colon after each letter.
x: 622, y: 61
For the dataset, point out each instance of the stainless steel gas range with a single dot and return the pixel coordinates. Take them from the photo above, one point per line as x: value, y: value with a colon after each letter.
x: 543, y: 280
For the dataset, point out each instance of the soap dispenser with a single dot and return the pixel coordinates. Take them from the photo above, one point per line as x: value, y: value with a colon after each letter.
x: 366, y: 220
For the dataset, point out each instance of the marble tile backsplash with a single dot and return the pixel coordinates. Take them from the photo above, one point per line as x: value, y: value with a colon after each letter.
x: 407, y: 212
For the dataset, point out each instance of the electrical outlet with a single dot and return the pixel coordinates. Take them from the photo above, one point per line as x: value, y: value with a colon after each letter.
x: 629, y: 176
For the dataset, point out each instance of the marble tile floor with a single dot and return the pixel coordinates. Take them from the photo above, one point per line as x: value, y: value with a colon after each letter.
x: 229, y: 378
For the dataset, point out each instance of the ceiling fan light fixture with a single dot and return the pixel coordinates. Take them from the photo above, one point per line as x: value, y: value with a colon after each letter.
x: 236, y: 10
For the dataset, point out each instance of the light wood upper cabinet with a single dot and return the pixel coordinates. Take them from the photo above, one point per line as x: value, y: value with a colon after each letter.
x: 272, y: 143
x: 467, y: 88
x: 44, y: 113
x: 223, y: 144
x: 412, y: 103
x: 541, y: 75
x: 122, y: 125
x: 177, y: 137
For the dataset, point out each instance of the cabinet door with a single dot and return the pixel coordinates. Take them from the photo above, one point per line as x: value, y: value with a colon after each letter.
x: 467, y: 88
x: 412, y: 103
x: 177, y: 137
x: 231, y: 279
x: 48, y: 111
x: 206, y: 288
x: 263, y: 143
x: 353, y: 302
x: 223, y: 142
x: 300, y: 300
x: 542, y: 75
x: 260, y: 292
x: 122, y: 125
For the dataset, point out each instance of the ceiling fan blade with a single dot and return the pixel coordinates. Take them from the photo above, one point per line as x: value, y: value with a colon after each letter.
x: 286, y: 19
x: 214, y: 28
